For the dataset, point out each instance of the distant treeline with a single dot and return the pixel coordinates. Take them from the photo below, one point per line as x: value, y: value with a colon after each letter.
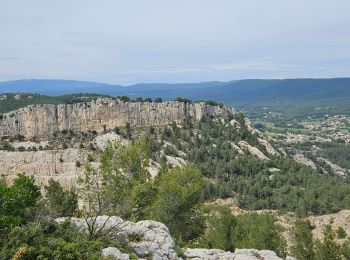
x: 13, y: 101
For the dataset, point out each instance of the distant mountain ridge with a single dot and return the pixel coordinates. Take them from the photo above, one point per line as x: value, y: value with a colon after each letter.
x: 232, y: 92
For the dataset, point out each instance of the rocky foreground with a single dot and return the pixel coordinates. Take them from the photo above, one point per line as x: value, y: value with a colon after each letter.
x: 152, y: 240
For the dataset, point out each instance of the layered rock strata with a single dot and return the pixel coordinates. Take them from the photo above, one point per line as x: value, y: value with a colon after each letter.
x: 44, y: 120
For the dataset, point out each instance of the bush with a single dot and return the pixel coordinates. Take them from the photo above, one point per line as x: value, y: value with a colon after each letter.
x: 341, y: 233
x: 45, y: 239
x: 60, y: 202
x: 259, y: 231
x: 17, y: 202
x: 184, y: 100
x: 180, y: 194
x: 158, y: 100
x: 221, y: 226
x: 170, y: 150
x: 303, y: 244
x: 90, y: 158
x: 328, y: 248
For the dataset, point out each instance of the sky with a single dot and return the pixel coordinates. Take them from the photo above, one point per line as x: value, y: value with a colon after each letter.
x: 133, y: 41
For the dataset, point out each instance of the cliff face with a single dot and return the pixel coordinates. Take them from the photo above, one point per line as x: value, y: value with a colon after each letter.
x: 44, y: 120
x: 59, y: 165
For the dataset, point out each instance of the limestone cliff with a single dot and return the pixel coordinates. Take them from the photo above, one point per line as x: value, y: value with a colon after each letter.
x: 59, y: 165
x: 44, y: 120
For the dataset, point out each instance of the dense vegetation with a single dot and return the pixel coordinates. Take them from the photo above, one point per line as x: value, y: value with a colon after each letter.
x: 175, y: 197
x: 294, y: 187
x: 251, y: 230
x: 337, y: 153
x: 251, y: 91
x: 15, y: 101
x: 306, y: 248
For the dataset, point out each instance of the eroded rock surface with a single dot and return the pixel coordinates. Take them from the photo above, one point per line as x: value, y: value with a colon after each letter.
x: 252, y: 150
x: 43, y: 120
x: 147, y: 239
x: 152, y: 240
x: 114, y: 253
x: 60, y: 165
x: 239, y: 254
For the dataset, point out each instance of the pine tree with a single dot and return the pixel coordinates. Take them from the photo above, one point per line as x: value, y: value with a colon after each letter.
x: 303, y: 248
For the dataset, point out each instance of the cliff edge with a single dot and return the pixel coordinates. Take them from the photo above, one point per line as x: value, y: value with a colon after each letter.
x: 105, y: 113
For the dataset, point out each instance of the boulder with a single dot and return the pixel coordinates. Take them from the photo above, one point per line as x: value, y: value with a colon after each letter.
x: 253, y: 254
x: 239, y: 254
x: 147, y: 239
x: 114, y: 253
x: 209, y: 254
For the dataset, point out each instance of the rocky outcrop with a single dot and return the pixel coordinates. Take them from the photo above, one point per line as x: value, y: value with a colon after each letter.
x: 239, y: 254
x: 102, y: 141
x: 44, y: 120
x: 269, y: 148
x: 236, y: 148
x: 147, y: 239
x: 336, y: 220
x: 302, y: 159
x: 249, y: 126
x: 253, y: 150
x: 60, y: 165
x: 335, y: 168
x: 114, y: 253
x: 151, y: 240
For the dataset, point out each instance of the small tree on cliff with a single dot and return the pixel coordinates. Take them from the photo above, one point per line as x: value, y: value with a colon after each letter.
x: 124, y: 174
x: 121, y: 186
x: 91, y: 195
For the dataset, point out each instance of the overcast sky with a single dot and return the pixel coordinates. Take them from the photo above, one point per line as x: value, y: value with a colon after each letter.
x: 133, y: 41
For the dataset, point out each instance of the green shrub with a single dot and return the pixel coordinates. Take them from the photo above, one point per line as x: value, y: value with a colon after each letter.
x: 60, y: 202
x: 341, y: 233
x: 180, y: 194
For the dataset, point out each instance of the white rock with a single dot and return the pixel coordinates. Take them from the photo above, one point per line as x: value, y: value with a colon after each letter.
x: 235, y: 123
x: 114, y: 253
x: 59, y: 165
x: 251, y: 129
x: 235, y: 147
x: 268, y: 147
x: 253, y: 150
x: 44, y: 120
x: 239, y: 254
x: 147, y: 239
x: 103, y: 140
x: 175, y: 161
x: 29, y: 145
x: 300, y: 158
x: 253, y: 254
x: 209, y: 254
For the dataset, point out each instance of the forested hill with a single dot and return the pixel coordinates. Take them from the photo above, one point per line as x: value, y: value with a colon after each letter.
x: 233, y: 92
x: 289, y: 90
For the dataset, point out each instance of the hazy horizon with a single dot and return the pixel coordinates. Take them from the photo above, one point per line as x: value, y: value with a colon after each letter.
x: 170, y: 83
